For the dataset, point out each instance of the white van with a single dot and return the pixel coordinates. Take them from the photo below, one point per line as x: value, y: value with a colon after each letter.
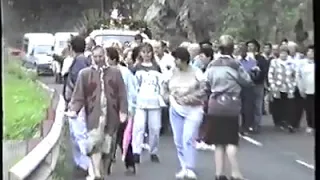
x: 122, y: 35
x: 38, y: 48
x: 60, y: 43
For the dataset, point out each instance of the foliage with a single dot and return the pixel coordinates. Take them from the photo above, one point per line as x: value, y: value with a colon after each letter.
x: 25, y: 102
x: 248, y: 19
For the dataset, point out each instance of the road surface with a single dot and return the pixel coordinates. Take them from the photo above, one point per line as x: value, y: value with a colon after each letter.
x: 271, y: 155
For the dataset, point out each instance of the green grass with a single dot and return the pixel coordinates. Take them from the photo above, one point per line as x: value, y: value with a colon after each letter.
x: 25, y: 102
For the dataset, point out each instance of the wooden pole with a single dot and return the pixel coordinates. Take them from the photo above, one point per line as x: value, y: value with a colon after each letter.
x: 102, y: 8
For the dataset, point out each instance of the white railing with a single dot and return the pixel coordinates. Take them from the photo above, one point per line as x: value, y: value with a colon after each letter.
x: 41, y: 161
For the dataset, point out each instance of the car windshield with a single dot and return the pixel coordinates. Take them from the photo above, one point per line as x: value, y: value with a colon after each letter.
x: 42, y: 49
x: 122, y: 38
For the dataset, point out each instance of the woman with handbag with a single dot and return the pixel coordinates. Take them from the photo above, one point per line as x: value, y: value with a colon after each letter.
x: 226, y: 77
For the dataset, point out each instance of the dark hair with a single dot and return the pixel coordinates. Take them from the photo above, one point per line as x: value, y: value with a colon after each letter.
x: 207, y: 52
x: 163, y: 44
x: 113, y: 54
x: 310, y: 47
x: 181, y: 53
x: 138, y: 37
x: 93, y: 42
x: 135, y: 53
x: 268, y: 44
x: 78, y: 44
x: 255, y: 42
x: 284, y: 40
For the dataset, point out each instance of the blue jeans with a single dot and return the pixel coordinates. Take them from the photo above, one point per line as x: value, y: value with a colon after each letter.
x: 185, y: 131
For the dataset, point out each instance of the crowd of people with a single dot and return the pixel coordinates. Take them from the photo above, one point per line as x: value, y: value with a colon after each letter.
x: 125, y: 94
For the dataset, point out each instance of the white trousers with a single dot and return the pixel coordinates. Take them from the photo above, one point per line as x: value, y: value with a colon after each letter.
x: 153, y: 118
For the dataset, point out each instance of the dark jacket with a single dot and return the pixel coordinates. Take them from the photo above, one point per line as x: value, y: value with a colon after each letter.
x: 263, y: 64
x: 70, y: 78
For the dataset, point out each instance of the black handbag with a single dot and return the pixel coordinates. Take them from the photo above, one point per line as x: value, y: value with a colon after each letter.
x: 224, y: 104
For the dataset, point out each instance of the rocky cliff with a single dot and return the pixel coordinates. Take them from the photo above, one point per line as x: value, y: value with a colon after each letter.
x: 183, y: 19
x: 196, y: 20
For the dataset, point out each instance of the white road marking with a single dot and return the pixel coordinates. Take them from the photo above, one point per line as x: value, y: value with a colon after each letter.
x: 310, y: 166
x: 252, y: 141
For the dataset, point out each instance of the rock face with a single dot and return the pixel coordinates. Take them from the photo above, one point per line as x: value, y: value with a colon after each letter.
x: 183, y: 19
x: 196, y: 20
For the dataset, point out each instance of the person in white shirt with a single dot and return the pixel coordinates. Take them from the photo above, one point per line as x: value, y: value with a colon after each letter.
x: 297, y: 59
x: 148, y: 103
x: 167, y: 64
x: 306, y: 85
x: 194, y: 50
x: 165, y: 60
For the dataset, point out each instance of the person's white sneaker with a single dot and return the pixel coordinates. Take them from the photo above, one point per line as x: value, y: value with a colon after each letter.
x: 198, y: 145
x: 206, y: 146
x: 201, y: 145
x: 190, y: 174
x: 181, y: 174
x: 309, y: 130
x: 145, y: 146
x: 212, y: 147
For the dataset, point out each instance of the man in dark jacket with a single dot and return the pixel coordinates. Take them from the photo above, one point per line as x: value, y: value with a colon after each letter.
x: 80, y: 61
x: 261, y: 70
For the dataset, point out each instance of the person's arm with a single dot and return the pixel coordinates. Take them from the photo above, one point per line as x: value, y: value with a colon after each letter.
x: 299, y: 79
x: 132, y: 91
x: 122, y: 94
x: 78, y: 96
x: 164, y: 89
x: 263, y: 66
x: 199, y: 94
x: 271, y: 73
x: 244, y: 79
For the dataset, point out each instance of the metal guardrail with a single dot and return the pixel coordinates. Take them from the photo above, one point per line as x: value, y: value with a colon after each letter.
x: 40, y: 163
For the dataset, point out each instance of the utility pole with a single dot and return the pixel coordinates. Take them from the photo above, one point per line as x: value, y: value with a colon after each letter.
x: 131, y: 8
x: 102, y: 4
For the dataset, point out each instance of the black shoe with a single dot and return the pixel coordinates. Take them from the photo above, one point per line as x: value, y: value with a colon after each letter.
x: 291, y: 129
x: 136, y: 158
x: 154, y: 158
x: 109, y: 169
x: 221, y: 178
x: 113, y: 159
x: 131, y: 171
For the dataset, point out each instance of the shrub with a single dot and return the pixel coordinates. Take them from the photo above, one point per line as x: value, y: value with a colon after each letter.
x: 25, y: 102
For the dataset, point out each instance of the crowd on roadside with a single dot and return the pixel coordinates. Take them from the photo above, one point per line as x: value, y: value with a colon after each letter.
x: 124, y: 94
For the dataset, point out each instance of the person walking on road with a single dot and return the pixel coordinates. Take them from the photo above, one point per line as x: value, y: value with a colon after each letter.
x: 130, y: 82
x: 148, y: 103
x: 226, y: 77
x: 101, y: 93
x: 306, y: 85
x: 186, y: 92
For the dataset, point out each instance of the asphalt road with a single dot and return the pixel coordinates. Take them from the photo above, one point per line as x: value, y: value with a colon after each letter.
x: 271, y: 155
